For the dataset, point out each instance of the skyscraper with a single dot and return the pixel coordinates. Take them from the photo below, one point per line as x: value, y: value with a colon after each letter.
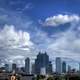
x: 49, y: 68
x: 69, y: 68
x: 64, y: 67
x: 79, y: 67
x: 42, y: 61
x: 14, y: 67
x: 27, y: 66
x: 7, y: 67
x: 58, y: 65
x: 33, y: 68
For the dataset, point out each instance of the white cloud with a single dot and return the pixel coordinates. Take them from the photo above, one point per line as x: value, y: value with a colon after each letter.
x: 15, y: 45
x: 10, y: 38
x: 28, y: 6
x: 66, y: 45
x: 59, y: 19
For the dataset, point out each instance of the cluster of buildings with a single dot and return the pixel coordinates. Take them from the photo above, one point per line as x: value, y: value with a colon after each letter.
x: 42, y: 65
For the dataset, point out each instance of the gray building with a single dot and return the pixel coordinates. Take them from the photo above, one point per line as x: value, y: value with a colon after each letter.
x: 64, y: 67
x: 42, y: 61
x: 69, y: 68
x: 33, y: 69
x: 14, y: 67
x: 58, y: 65
x: 49, y: 68
x: 6, y: 67
x: 27, y: 66
x: 79, y: 67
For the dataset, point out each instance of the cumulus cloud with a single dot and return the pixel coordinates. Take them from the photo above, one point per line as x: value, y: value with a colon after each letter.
x: 59, y: 19
x: 20, y: 43
x: 67, y: 44
x: 15, y: 45
x: 10, y: 38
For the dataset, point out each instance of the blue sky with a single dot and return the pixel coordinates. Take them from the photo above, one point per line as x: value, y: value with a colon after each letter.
x: 30, y: 26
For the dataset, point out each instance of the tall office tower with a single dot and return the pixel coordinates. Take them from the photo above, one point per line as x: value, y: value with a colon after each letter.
x: 41, y: 61
x: 49, y: 68
x: 6, y: 67
x: 69, y: 68
x: 58, y: 65
x: 14, y: 67
x: 22, y: 69
x: 27, y: 66
x: 33, y: 69
x: 64, y: 67
x: 79, y: 67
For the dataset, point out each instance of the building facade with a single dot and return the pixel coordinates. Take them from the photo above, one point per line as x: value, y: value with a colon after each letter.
x: 14, y: 67
x: 63, y: 67
x: 27, y: 66
x: 58, y: 65
x: 42, y: 61
x: 6, y: 67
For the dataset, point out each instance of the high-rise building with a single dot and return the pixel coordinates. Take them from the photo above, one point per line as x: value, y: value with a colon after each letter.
x: 79, y: 67
x: 14, y: 67
x: 27, y: 66
x: 64, y: 67
x: 58, y: 65
x: 49, y: 68
x: 6, y: 67
x: 69, y: 68
x: 22, y: 69
x: 33, y: 69
x: 42, y: 61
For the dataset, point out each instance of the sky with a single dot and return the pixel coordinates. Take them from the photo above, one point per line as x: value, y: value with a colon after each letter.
x: 30, y: 26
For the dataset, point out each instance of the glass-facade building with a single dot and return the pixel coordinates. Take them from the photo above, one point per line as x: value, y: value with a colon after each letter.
x: 58, y: 65
x: 41, y: 61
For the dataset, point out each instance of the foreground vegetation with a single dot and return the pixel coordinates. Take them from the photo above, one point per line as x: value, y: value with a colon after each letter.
x: 59, y: 77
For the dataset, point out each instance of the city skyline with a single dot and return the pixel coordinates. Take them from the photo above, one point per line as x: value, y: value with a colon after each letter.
x: 41, y: 66
x: 30, y: 26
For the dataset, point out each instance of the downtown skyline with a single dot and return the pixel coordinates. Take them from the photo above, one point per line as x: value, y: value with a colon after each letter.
x: 30, y: 26
x: 42, y: 65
